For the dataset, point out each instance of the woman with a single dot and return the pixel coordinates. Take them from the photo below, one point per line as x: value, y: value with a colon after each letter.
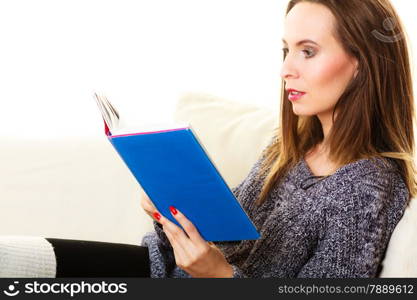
x: 331, y: 186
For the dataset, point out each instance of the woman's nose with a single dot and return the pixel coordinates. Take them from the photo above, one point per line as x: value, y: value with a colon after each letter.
x: 288, y: 69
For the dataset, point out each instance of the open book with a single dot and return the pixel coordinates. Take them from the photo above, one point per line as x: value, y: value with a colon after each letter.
x: 173, y: 168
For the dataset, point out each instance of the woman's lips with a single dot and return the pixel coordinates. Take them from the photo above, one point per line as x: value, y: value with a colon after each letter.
x: 294, y: 95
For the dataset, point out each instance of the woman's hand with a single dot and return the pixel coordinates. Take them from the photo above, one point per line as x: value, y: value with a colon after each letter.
x: 192, y: 253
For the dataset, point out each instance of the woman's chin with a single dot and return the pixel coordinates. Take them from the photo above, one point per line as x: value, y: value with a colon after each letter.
x: 297, y: 110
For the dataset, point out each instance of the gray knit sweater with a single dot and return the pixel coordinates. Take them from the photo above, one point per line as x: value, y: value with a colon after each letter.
x: 334, y: 227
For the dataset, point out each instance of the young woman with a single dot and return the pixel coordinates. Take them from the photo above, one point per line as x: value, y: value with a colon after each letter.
x: 334, y: 182
x: 329, y: 190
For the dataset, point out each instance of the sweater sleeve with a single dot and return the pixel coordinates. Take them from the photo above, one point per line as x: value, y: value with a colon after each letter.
x: 357, y: 228
x: 238, y: 273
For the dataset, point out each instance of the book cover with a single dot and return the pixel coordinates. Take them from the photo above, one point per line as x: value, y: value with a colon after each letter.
x: 174, y: 169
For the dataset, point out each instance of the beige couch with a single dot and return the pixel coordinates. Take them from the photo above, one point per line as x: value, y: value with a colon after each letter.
x: 80, y: 189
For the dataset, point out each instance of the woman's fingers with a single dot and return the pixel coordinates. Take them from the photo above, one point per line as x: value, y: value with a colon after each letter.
x: 188, y: 226
x: 179, y: 251
x: 148, y: 208
x: 192, y: 253
x: 176, y: 233
x: 147, y: 204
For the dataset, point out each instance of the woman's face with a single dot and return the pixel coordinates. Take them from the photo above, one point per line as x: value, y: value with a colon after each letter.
x: 319, y: 67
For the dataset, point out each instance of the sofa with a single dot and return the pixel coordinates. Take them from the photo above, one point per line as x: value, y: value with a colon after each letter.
x: 81, y: 189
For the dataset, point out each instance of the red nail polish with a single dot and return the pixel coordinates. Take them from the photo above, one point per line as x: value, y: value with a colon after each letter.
x: 156, y: 215
x: 173, y: 210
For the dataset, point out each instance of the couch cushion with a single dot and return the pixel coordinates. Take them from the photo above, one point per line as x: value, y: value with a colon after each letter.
x: 401, y: 256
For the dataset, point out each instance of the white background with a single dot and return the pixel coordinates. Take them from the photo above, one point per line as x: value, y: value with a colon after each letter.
x: 143, y: 54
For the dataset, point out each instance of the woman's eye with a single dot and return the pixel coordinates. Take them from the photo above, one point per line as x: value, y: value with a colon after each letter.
x: 309, y: 52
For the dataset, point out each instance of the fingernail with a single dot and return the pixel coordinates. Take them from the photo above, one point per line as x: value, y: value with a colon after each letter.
x: 173, y: 210
x: 156, y: 215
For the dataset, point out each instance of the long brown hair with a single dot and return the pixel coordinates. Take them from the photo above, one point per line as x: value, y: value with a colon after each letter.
x: 377, y: 107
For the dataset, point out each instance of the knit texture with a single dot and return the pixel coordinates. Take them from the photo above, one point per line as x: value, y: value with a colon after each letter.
x: 311, y: 227
x: 26, y: 256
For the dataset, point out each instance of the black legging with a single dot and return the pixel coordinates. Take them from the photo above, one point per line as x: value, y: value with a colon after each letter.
x: 77, y: 258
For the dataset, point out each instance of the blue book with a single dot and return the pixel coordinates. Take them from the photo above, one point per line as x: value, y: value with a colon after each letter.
x: 173, y: 169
